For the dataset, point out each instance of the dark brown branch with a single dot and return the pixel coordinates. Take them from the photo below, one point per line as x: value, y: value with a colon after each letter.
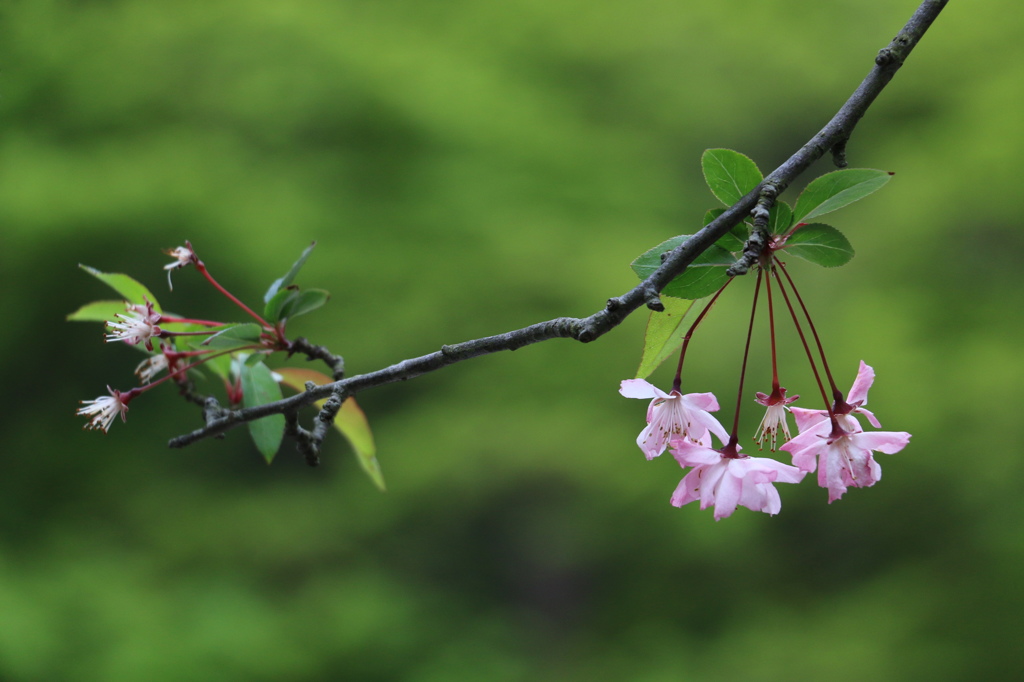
x: 831, y: 139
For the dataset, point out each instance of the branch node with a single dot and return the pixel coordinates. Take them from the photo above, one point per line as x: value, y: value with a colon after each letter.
x: 653, y: 299
x: 758, y: 239
x: 839, y: 153
x: 305, y: 442
x: 335, y: 362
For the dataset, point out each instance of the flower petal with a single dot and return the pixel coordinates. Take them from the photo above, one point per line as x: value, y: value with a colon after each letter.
x: 859, y: 391
x: 638, y: 388
x: 888, y: 442
x: 871, y: 417
x: 807, y: 419
x: 690, y: 454
x: 727, y: 495
x: 702, y: 401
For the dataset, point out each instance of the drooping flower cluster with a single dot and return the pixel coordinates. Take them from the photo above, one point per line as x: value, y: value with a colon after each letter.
x: 830, y: 441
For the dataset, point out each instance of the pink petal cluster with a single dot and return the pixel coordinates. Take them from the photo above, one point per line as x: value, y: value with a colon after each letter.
x: 842, y: 451
x: 673, y: 416
x: 728, y: 482
x: 844, y: 459
x: 855, y: 401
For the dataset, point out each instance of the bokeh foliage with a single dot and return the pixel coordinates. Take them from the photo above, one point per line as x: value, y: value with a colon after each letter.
x: 468, y: 168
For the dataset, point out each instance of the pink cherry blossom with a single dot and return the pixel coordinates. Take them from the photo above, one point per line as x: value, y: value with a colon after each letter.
x: 728, y: 482
x: 843, y: 458
x: 673, y: 415
x: 102, y: 410
x: 774, y: 417
x: 855, y: 401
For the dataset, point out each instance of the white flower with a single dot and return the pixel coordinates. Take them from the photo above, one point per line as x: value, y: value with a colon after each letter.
x: 138, y: 325
x: 183, y: 256
x: 150, y: 367
x: 102, y: 410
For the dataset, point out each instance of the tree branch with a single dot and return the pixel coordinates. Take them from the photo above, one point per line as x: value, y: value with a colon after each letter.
x: 830, y: 139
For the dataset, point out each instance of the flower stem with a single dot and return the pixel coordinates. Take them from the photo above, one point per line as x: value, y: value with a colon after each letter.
x: 803, y: 339
x: 201, y: 267
x: 182, y: 371
x: 771, y: 332
x: 733, y: 438
x: 188, y: 320
x: 814, y: 332
x: 677, y: 382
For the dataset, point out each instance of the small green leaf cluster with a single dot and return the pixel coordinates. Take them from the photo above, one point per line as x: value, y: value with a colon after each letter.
x: 235, y: 353
x: 731, y: 176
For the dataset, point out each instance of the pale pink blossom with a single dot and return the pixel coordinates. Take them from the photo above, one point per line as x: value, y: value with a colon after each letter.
x: 843, y: 458
x: 854, y: 404
x: 728, y: 482
x: 774, y: 417
x: 673, y: 416
x: 102, y: 410
x: 183, y: 256
x: 137, y: 325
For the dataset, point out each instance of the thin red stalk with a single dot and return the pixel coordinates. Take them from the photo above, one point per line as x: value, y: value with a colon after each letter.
x: 186, y: 368
x: 803, y: 340
x: 771, y: 331
x: 677, y: 382
x: 202, y: 268
x: 810, y: 323
x: 733, y: 437
x: 188, y: 320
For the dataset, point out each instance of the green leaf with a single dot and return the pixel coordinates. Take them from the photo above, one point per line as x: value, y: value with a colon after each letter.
x: 304, y: 302
x: 130, y: 290
x: 272, y: 311
x: 664, y: 335
x: 837, y: 189
x: 285, y: 281
x: 729, y: 174
x: 780, y: 217
x: 220, y: 365
x: 820, y: 244
x: 734, y: 239
x: 235, y: 336
x: 97, y: 311
x: 351, y: 421
x: 259, y: 388
x: 704, y: 276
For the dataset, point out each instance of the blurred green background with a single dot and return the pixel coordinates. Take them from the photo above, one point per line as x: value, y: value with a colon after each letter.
x: 469, y: 168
